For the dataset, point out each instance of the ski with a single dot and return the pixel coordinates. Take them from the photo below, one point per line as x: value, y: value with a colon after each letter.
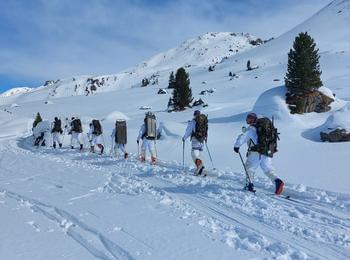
x: 290, y: 198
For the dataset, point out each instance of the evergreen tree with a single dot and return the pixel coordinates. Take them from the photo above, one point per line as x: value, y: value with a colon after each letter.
x: 303, y: 73
x: 182, y: 94
x: 171, y: 80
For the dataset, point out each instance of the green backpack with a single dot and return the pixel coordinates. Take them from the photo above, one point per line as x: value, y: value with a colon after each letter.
x: 76, y: 123
x: 97, y: 127
x: 201, y: 131
x: 267, y: 137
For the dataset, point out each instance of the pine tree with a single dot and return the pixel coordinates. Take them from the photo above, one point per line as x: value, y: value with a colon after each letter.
x: 303, y: 73
x: 171, y: 80
x: 182, y: 94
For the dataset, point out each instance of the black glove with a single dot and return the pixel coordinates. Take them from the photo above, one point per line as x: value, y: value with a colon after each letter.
x: 236, y: 149
x: 137, y: 141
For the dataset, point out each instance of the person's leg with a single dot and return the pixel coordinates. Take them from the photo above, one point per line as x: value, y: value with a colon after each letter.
x: 251, y: 164
x: 152, y: 150
x: 115, y: 150
x: 266, y: 166
x: 196, y: 157
x: 80, y: 140
x: 122, y: 148
x: 72, y: 140
x: 143, y: 149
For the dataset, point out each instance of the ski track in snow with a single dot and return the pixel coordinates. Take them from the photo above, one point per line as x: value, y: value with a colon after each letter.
x: 316, y: 224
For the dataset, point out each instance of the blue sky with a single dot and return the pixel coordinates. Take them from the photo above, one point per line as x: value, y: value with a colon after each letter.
x: 51, y: 39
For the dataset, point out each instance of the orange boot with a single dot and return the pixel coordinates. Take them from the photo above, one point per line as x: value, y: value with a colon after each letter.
x: 198, y: 164
x: 153, y: 160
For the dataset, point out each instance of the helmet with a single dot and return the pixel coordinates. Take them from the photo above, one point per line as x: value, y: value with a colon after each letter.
x: 196, y: 113
x: 148, y: 113
x: 252, y: 116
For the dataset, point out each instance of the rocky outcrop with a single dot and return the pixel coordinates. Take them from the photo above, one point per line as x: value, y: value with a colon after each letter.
x: 314, y: 101
x: 337, y: 135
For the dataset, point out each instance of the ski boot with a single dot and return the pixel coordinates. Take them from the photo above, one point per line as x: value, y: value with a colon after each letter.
x: 279, y: 186
x: 126, y: 156
x: 153, y: 160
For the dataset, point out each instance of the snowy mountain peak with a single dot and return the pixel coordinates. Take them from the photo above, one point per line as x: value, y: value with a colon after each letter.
x: 208, y: 49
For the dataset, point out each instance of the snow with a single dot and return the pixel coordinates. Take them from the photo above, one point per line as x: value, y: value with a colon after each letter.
x: 62, y: 203
x: 340, y: 119
x: 14, y: 91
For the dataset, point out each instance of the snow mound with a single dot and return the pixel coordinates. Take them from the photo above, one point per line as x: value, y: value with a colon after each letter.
x: 113, y: 116
x: 271, y: 103
x: 340, y: 119
x: 14, y: 105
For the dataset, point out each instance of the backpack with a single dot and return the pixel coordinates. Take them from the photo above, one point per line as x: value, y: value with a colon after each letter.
x: 97, y: 127
x: 267, y: 137
x: 201, y: 131
x: 57, y: 126
x: 151, y: 127
x: 120, y: 132
x: 76, y: 126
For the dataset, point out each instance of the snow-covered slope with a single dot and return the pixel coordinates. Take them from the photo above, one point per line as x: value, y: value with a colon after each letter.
x: 86, y: 206
x: 15, y: 91
x: 204, y: 51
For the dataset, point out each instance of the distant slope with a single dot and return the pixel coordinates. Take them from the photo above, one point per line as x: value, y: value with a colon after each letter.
x: 203, y: 51
x: 15, y: 91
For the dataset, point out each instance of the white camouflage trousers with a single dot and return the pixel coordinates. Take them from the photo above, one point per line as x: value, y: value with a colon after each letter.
x: 254, y: 160
x: 56, y: 137
x: 150, y: 146
x: 197, y: 152
x: 76, y: 137
x: 96, y: 139
x: 119, y: 147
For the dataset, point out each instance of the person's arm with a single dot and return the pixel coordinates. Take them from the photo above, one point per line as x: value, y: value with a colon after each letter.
x: 189, y: 130
x: 244, y: 138
x: 141, y: 132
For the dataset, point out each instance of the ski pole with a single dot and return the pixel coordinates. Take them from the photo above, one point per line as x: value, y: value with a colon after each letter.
x: 138, y: 150
x: 245, y: 169
x: 112, y: 144
x: 211, y: 159
x: 155, y: 148
x: 183, y: 153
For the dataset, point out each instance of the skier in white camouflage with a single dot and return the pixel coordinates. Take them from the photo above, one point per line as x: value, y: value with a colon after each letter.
x: 148, y: 134
x: 56, y: 132
x: 254, y: 158
x: 197, y: 129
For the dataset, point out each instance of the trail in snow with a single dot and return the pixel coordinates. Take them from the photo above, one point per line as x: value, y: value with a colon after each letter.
x: 316, y: 226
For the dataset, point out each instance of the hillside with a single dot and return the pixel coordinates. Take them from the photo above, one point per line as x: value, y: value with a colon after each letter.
x: 201, y: 52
